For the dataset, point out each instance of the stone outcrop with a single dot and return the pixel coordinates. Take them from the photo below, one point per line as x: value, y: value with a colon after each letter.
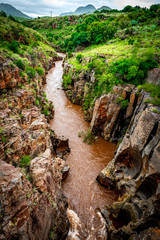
x: 135, y: 172
x: 113, y: 111
x: 29, y: 212
x: 10, y: 77
x: 154, y: 76
x: 32, y: 167
x: 79, y: 87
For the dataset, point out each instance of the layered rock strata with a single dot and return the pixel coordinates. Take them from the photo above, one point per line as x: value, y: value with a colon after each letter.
x: 135, y: 172
x: 32, y: 167
x: 113, y: 111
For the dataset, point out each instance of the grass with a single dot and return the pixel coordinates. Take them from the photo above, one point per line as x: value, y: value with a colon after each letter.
x: 25, y: 161
x: 154, y: 92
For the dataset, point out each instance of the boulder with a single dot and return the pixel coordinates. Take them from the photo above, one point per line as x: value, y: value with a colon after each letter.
x: 154, y: 76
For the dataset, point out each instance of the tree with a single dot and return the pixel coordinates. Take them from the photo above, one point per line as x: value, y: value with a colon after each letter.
x: 3, y: 14
x: 12, y: 18
x: 128, y: 8
x: 155, y: 7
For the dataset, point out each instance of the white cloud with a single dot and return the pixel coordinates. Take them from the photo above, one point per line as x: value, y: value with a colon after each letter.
x: 53, y: 2
x: 142, y: 3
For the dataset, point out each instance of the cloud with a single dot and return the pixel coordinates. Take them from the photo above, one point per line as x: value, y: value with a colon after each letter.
x: 44, y: 7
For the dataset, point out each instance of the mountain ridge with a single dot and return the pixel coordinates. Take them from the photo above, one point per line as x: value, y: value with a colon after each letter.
x: 11, y: 10
x: 84, y: 10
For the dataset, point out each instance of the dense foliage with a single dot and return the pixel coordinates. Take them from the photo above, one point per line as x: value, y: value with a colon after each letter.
x: 72, y: 32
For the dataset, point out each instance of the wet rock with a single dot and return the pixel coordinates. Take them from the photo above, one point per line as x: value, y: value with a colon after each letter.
x: 60, y: 144
x: 65, y: 172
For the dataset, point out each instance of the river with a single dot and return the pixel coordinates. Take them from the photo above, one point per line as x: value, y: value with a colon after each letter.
x: 85, y: 196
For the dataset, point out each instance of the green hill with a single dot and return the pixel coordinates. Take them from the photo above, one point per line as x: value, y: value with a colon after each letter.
x: 10, y: 10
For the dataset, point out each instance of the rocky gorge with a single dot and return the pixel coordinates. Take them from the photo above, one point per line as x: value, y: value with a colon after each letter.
x: 32, y: 205
x: 125, y: 116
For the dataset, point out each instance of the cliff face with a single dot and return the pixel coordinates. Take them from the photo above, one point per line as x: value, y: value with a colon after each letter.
x: 135, y: 172
x: 31, y: 170
x: 113, y: 111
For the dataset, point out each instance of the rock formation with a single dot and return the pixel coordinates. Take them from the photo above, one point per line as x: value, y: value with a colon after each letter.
x: 135, y: 172
x: 113, y: 111
x: 32, y: 205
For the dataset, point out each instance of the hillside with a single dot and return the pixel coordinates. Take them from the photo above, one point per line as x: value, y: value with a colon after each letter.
x: 10, y: 10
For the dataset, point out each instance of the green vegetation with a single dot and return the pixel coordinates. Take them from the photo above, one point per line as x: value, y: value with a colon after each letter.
x: 154, y: 92
x: 31, y: 53
x: 4, y: 140
x: 127, y: 58
x: 23, y: 47
x: 25, y: 161
x: 88, y: 137
x: 72, y: 33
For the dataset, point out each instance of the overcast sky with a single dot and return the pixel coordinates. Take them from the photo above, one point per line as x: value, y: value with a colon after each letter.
x: 36, y: 8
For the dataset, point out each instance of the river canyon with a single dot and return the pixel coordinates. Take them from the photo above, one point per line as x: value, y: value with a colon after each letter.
x: 85, y: 196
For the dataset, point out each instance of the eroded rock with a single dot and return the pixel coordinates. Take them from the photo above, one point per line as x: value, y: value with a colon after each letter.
x: 113, y: 111
x: 135, y: 172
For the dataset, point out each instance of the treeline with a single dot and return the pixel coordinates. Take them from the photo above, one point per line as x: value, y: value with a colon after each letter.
x: 154, y: 8
x: 97, y: 29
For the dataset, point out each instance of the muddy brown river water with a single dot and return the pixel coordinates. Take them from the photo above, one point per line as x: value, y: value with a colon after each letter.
x: 85, y: 196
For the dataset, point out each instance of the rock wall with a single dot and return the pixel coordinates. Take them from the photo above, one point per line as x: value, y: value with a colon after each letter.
x: 32, y: 205
x: 113, y: 111
x: 135, y: 172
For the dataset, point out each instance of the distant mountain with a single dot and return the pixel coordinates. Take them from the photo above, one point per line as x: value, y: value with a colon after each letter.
x: 104, y: 7
x: 81, y: 10
x: 10, y: 10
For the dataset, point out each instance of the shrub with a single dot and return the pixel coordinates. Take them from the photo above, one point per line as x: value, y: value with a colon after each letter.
x: 79, y: 57
x: 131, y: 41
x: 40, y: 71
x: 12, y: 18
x: 30, y: 71
x: 124, y: 104
x: 25, y: 161
x: 3, y: 14
x: 4, y: 140
x: 37, y: 102
x: 14, y: 46
x: 89, y: 137
x: 46, y: 112
x: 19, y: 64
x: 67, y: 81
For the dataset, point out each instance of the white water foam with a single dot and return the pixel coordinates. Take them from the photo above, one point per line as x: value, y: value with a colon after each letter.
x: 75, y: 224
